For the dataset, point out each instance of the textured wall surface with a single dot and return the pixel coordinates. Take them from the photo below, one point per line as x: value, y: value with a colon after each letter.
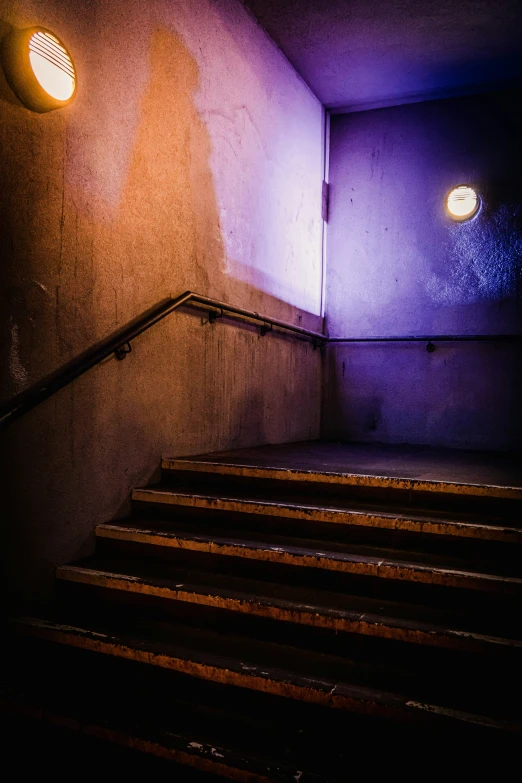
x: 367, y: 53
x: 398, y: 265
x: 191, y: 159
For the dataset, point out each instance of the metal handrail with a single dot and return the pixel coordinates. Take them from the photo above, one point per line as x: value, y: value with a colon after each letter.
x: 440, y: 338
x: 118, y: 343
x: 430, y: 341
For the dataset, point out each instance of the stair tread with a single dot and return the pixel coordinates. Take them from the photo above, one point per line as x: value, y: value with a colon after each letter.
x: 310, y: 552
x: 273, y: 668
x: 336, y: 610
x: 349, y: 513
x: 281, y: 739
x: 290, y: 498
x: 245, y: 591
x: 409, y: 468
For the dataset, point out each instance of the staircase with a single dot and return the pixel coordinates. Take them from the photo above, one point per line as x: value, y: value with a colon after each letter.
x: 262, y: 621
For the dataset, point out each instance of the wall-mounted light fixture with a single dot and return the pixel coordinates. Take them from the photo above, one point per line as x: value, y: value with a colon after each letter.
x: 462, y: 202
x: 39, y: 69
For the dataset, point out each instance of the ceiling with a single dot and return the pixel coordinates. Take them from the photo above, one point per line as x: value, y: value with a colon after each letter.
x: 362, y: 54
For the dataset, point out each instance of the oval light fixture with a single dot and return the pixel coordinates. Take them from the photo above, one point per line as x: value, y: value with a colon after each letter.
x: 39, y: 69
x: 462, y: 202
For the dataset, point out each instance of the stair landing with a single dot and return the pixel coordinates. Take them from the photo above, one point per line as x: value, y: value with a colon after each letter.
x: 376, y: 465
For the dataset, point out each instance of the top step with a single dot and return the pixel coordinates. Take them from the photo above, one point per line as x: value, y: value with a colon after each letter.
x: 366, y: 466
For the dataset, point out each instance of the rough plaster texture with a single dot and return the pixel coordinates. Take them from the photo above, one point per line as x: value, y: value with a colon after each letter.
x: 365, y: 53
x: 191, y: 159
x: 398, y: 265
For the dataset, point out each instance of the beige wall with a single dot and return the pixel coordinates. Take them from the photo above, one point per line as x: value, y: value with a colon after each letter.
x: 191, y: 159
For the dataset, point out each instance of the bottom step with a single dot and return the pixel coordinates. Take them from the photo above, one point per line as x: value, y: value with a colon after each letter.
x: 316, y: 679
x: 229, y: 733
x: 54, y: 747
x: 187, y: 750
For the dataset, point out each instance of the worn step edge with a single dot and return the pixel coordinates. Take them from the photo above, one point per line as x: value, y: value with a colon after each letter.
x: 344, y: 479
x: 227, y: 671
x: 321, y: 514
x: 300, y: 556
x: 382, y: 626
x: 187, y: 751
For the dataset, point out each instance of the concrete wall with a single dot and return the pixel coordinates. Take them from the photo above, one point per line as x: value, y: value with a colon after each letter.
x: 191, y: 159
x: 398, y: 265
x: 372, y: 53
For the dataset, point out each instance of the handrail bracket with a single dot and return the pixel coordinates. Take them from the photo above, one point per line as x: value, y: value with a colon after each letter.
x: 121, y: 352
x: 213, y: 315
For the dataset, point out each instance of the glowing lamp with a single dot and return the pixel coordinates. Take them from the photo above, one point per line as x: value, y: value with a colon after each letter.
x: 462, y: 202
x: 39, y: 69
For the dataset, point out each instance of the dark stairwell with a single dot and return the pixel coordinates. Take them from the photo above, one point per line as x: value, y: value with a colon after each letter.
x: 259, y: 605
x: 310, y: 597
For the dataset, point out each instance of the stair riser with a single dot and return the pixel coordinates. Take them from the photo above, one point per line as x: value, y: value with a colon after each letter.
x: 340, y: 697
x: 360, y: 638
x: 253, y: 681
x: 179, y: 502
x: 57, y: 740
x: 132, y: 741
x: 312, y: 527
x: 261, y: 721
x: 361, y: 566
x: 314, y: 578
x: 172, y: 693
x: 373, y: 489
x: 193, y: 709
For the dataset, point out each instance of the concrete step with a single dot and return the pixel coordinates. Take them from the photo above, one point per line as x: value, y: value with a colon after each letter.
x: 317, y: 609
x: 268, y: 548
x: 58, y: 739
x: 232, y: 733
x: 157, y: 721
x: 184, y: 749
x: 285, y: 672
x: 319, y: 469
x: 467, y: 527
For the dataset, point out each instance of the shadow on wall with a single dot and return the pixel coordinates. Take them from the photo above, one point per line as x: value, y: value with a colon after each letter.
x: 72, y: 272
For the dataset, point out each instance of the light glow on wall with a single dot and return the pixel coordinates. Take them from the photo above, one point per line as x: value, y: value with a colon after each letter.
x: 462, y: 202
x: 52, y: 65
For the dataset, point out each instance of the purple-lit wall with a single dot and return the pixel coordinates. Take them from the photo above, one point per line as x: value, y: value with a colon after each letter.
x: 190, y: 159
x: 370, y: 53
x: 397, y: 265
